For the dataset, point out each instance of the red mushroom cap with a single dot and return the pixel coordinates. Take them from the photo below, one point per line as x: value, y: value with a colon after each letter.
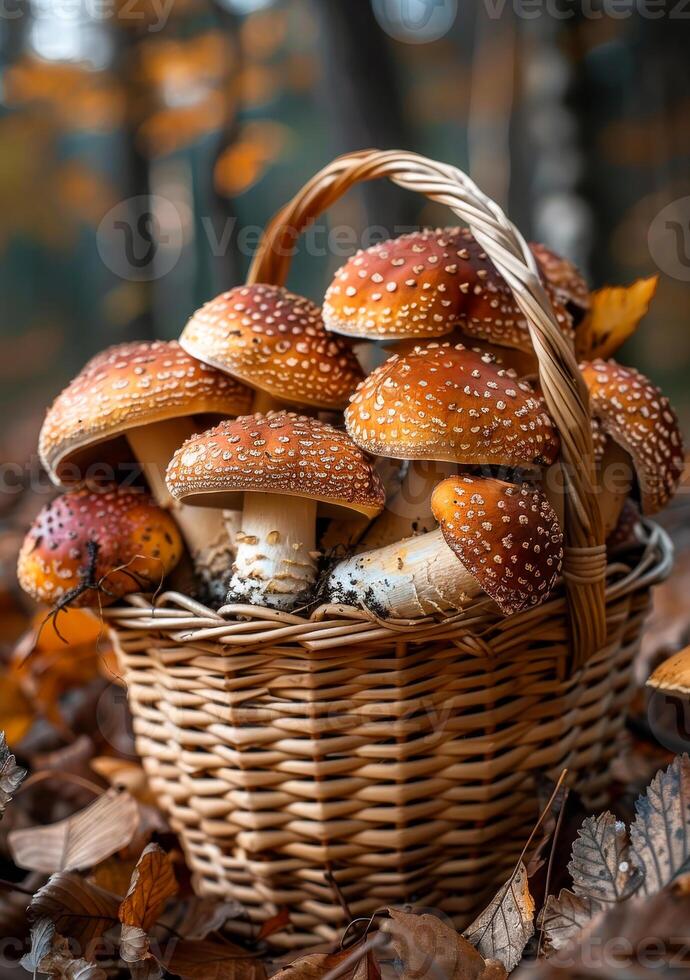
x: 446, y: 402
x: 276, y: 342
x: 127, y: 386
x: 565, y: 278
x: 279, y: 453
x: 636, y: 415
x: 138, y: 545
x: 508, y: 537
x: 426, y: 284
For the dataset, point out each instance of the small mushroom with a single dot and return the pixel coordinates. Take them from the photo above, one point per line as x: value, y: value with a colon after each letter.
x: 147, y: 392
x: 644, y: 439
x: 275, y: 342
x: 494, y: 537
x: 90, y: 548
x: 430, y: 283
x: 285, y: 465
x: 673, y: 675
x: 446, y: 404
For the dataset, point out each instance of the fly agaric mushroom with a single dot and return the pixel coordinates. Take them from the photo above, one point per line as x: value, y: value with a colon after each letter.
x: 428, y: 284
x: 285, y: 465
x: 445, y: 404
x: 494, y: 537
x: 275, y: 342
x: 148, y: 393
x: 643, y: 436
x: 92, y: 547
x: 565, y: 279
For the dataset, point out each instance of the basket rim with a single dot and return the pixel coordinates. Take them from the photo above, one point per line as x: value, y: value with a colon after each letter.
x: 183, y: 620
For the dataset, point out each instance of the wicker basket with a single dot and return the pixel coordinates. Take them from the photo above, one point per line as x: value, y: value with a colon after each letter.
x: 400, y: 756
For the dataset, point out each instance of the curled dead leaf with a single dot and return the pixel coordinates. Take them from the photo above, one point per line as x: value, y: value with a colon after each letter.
x: 505, y: 927
x: 428, y: 949
x: 82, y: 840
x: 213, y: 961
x: 563, y: 917
x: 11, y: 774
x: 601, y: 867
x: 614, y: 316
x: 152, y: 884
x: 660, y: 833
x: 75, y: 907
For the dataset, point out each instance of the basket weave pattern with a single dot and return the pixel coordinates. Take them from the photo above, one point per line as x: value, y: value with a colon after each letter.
x: 404, y: 759
x: 403, y: 756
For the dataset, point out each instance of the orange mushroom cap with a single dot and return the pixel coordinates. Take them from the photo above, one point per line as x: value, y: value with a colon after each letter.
x: 446, y: 402
x: 127, y: 386
x: 426, y: 284
x: 279, y: 453
x: 508, y: 537
x: 636, y: 415
x: 276, y: 342
x: 564, y: 277
x: 138, y: 544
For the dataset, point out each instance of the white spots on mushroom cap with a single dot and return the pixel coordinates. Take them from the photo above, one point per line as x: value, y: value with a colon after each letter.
x: 446, y: 402
x: 280, y: 452
x: 435, y: 281
x: 275, y: 341
x: 634, y: 412
x: 129, y: 385
x: 507, y: 536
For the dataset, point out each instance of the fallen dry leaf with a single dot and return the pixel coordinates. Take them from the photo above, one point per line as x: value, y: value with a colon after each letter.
x: 153, y: 883
x: 563, y: 917
x: 125, y: 774
x: 505, y: 927
x: 660, y: 833
x: 75, y: 907
x: 196, y: 918
x: 601, y: 868
x: 367, y: 968
x: 614, y: 316
x: 114, y: 874
x: 643, y: 937
x: 10, y: 774
x: 16, y: 710
x: 428, y: 948
x: 42, y: 933
x: 216, y: 961
x: 277, y: 922
x: 60, y: 963
x: 82, y: 840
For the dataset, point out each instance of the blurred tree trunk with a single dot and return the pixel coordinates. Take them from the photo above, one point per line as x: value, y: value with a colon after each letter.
x: 362, y: 97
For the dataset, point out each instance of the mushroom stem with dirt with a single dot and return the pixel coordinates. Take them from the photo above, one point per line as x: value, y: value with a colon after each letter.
x: 146, y: 393
x: 443, y: 406
x: 285, y: 466
x: 494, y: 538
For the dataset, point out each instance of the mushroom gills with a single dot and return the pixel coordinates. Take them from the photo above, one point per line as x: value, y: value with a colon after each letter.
x: 276, y: 561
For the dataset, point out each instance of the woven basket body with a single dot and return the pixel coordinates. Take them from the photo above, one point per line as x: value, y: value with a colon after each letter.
x: 402, y: 758
x: 407, y: 763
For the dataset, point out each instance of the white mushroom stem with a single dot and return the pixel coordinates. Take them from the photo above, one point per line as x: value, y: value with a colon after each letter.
x: 276, y: 558
x: 205, y: 530
x: 408, y: 512
x: 405, y: 580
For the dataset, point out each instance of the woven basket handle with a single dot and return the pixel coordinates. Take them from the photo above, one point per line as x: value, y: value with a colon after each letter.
x: 562, y: 385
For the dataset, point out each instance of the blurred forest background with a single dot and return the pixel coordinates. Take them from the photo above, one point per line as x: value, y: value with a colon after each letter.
x: 204, y: 116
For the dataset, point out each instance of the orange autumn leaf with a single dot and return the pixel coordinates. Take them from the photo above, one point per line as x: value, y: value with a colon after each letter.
x: 153, y: 883
x: 16, y: 710
x: 613, y: 317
